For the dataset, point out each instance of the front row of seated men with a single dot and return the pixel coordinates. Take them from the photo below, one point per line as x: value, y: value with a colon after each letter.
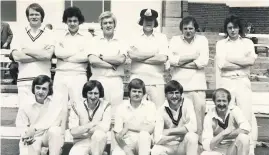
x: 139, y: 128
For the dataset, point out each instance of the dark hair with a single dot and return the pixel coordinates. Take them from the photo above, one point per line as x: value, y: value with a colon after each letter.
x: 136, y: 84
x: 41, y: 79
x: 37, y: 8
x: 90, y: 85
x: 173, y: 86
x: 221, y: 90
x: 187, y: 20
x: 73, y: 11
x: 236, y: 22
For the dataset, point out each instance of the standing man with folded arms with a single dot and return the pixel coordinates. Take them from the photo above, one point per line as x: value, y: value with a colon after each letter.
x: 148, y: 53
x: 234, y: 57
x: 189, y: 54
x: 33, y: 49
x: 225, y: 128
x: 107, y: 58
x: 175, y: 127
x: 71, y: 51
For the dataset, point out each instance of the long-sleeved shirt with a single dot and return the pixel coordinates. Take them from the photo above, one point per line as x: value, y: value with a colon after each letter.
x: 101, y: 115
x: 240, y: 48
x: 71, y: 45
x: 168, y: 118
x: 112, y: 47
x: 28, y: 71
x: 191, y: 79
x: 213, y: 124
x: 36, y: 114
x: 156, y: 43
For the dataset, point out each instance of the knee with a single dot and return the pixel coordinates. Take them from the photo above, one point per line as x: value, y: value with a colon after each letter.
x: 242, y: 139
x: 144, y: 135
x: 157, y: 150
x: 55, y: 130
x: 191, y: 137
x: 99, y: 135
x: 74, y: 150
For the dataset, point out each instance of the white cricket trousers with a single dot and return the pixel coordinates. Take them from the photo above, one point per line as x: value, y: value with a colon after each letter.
x: 239, y: 147
x: 188, y: 146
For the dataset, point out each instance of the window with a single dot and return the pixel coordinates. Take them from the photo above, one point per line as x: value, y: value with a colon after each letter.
x: 90, y: 9
x: 8, y: 11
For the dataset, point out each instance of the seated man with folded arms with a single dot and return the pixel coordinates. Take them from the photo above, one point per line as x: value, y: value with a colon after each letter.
x: 32, y: 117
x: 225, y: 127
x: 134, y: 122
x: 175, y: 124
x: 90, y: 135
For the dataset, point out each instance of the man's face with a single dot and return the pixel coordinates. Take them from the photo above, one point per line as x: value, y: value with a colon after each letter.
x: 148, y: 24
x: 34, y: 17
x: 73, y: 24
x: 221, y: 102
x: 188, y: 30
x: 136, y: 95
x: 93, y: 96
x: 173, y: 97
x: 41, y: 92
x: 233, y: 31
x: 108, y: 25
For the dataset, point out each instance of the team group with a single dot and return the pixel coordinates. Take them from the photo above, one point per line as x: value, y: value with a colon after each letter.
x: 159, y: 117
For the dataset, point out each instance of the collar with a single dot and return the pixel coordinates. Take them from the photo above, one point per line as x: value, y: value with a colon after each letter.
x: 47, y: 100
x: 143, y: 34
x: 229, y: 39
x: 129, y: 106
x: 182, y: 37
x: 41, y: 28
x: 216, y: 116
x: 86, y: 105
x: 166, y: 104
x: 79, y: 32
x: 115, y: 37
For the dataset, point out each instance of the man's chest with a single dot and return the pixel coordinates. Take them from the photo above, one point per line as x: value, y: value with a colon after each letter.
x: 108, y: 48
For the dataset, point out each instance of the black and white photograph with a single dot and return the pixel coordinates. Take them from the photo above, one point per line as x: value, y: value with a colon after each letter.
x: 134, y: 77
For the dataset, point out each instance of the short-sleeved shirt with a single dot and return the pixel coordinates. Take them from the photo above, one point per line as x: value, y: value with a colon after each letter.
x: 144, y: 113
x: 156, y: 42
x: 168, y: 118
x: 73, y: 44
x: 100, y: 115
x: 191, y: 79
x: 213, y: 124
x: 105, y: 47
x: 24, y: 39
x: 240, y: 48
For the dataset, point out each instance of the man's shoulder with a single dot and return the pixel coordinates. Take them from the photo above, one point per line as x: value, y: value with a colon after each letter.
x: 201, y: 37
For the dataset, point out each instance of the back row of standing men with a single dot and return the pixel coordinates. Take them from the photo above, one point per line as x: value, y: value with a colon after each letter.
x: 149, y: 52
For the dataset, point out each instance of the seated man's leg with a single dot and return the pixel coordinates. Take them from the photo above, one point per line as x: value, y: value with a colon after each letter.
x: 54, y: 139
x: 118, y: 151
x: 189, y: 145
x: 98, y: 142
x: 240, y: 146
x: 164, y: 150
x: 81, y: 147
x: 144, y: 142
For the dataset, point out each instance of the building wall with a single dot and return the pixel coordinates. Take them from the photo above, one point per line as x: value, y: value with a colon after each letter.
x: 211, y: 16
x: 259, y: 17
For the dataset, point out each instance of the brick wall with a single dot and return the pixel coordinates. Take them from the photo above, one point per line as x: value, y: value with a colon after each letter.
x: 211, y: 16
x: 259, y: 17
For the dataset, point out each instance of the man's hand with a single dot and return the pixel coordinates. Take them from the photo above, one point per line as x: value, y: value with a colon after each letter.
x: 227, y: 131
x: 28, y: 140
x: 128, y: 150
x: 123, y: 132
x: 166, y: 132
x: 5, y: 45
x: 30, y: 132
